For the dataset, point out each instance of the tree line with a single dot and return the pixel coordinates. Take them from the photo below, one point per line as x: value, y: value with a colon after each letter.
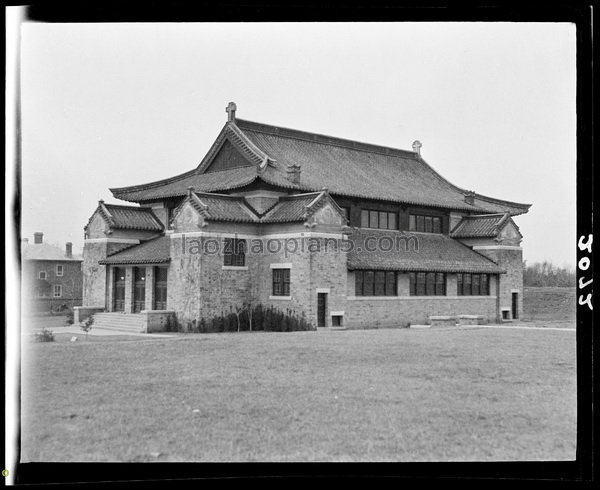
x: 546, y: 274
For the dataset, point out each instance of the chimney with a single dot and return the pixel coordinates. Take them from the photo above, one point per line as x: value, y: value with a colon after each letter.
x: 69, y: 250
x: 293, y: 173
x: 416, y: 146
x: 38, y: 237
x: 230, y: 110
x: 470, y: 197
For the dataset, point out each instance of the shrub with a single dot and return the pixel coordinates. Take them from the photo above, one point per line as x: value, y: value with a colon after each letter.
x: 86, y: 325
x: 43, y: 335
x: 268, y: 319
x: 70, y: 319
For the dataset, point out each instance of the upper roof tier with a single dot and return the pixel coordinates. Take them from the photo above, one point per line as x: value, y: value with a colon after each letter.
x: 273, y: 154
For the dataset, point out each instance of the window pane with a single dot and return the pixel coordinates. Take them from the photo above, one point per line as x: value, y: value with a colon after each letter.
x: 467, y: 284
x: 428, y: 224
x: 286, y: 288
x: 412, y: 224
x: 420, y: 223
x: 392, y: 221
x: 380, y: 283
x: 390, y: 283
x: 440, y: 284
x: 420, y: 284
x: 368, y: 283
x: 430, y: 283
x: 437, y: 225
x: 383, y: 220
x: 286, y: 275
x: 364, y: 218
x: 475, y: 285
x: 358, y: 283
x: 485, y: 285
x: 412, y: 278
x: 373, y: 221
x: 459, y: 284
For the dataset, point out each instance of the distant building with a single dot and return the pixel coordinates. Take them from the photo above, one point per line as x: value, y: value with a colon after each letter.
x: 265, y: 184
x: 51, y: 277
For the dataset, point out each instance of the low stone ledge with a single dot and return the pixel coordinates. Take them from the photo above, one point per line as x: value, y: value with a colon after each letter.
x: 81, y: 313
x: 471, y: 320
x: 158, y: 321
x: 442, y: 321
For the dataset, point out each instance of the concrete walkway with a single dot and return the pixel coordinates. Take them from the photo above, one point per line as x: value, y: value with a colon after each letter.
x: 101, y: 332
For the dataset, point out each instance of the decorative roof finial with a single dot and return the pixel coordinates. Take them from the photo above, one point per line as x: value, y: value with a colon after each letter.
x: 417, y: 147
x: 230, y: 110
x: 190, y: 190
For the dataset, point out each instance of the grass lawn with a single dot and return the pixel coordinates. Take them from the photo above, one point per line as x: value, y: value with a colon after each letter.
x: 456, y: 394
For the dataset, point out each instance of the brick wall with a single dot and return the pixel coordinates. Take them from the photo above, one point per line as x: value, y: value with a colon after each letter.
x: 70, y: 281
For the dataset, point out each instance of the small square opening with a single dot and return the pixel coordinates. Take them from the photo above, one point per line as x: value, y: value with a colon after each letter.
x: 337, y: 320
x: 506, y: 314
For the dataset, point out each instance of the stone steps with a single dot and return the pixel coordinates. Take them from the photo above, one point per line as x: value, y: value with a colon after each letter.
x: 119, y: 321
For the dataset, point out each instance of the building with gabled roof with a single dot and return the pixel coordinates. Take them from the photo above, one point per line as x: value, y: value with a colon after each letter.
x: 51, y: 277
x: 393, y: 242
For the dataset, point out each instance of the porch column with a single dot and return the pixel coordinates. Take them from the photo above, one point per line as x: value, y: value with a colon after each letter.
x: 129, y: 290
x: 110, y: 288
x: 149, y: 287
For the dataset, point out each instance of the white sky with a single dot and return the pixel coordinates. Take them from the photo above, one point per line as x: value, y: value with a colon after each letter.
x: 111, y: 105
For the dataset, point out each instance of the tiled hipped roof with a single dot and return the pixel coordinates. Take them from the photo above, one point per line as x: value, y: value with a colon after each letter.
x: 347, y: 168
x: 156, y: 251
x: 130, y: 217
x: 434, y: 253
x: 481, y: 226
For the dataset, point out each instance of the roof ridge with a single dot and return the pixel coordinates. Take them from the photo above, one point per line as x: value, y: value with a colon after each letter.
x: 323, y: 139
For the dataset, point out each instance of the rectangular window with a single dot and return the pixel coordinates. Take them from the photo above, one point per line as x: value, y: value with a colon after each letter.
x: 59, y: 270
x: 427, y: 284
x: 375, y: 283
x: 373, y: 219
x: 364, y: 218
x: 421, y: 277
x: 459, y: 284
x: 440, y: 284
x: 485, y: 285
x: 473, y: 285
x: 57, y: 291
x: 281, y: 282
x: 382, y: 220
x: 426, y: 224
x: 392, y: 221
x: 234, y: 252
x: 42, y: 275
x: 412, y: 223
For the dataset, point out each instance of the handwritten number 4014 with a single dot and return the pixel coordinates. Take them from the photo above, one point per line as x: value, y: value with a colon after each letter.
x: 584, y: 265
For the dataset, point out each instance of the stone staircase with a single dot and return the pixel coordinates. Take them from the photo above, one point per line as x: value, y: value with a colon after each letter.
x: 123, y: 322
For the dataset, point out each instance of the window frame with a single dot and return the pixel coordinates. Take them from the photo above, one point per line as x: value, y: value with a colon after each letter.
x: 62, y: 270
x: 54, y: 290
x: 425, y: 223
x: 369, y: 283
x: 427, y: 283
x: 40, y: 275
x: 234, y: 255
x: 371, y: 218
x: 482, y: 288
x: 281, y: 281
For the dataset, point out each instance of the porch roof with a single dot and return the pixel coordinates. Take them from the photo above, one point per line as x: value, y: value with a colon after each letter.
x: 426, y: 252
x: 156, y: 251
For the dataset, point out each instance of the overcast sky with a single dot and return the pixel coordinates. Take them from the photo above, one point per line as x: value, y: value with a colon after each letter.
x: 111, y: 105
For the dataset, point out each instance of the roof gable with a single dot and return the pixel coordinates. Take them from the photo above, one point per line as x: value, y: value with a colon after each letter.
x: 118, y: 217
x: 498, y: 226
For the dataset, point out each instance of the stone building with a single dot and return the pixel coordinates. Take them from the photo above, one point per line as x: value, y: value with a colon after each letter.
x: 349, y: 233
x: 51, y: 278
